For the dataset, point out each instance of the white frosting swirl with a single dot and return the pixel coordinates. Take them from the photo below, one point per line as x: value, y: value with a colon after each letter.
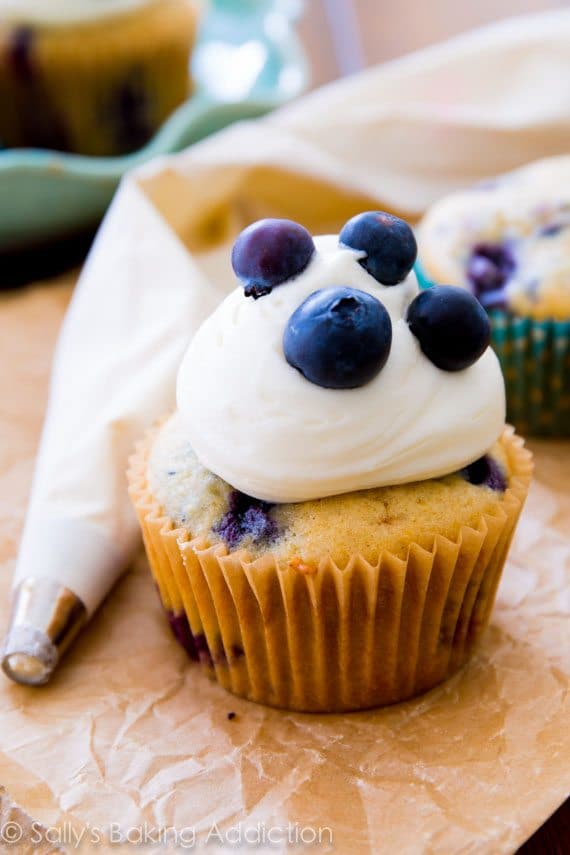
x: 261, y: 426
x: 59, y: 12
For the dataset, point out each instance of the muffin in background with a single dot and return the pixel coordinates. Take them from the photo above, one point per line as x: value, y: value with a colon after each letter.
x: 93, y: 77
x: 507, y: 240
x: 328, y: 512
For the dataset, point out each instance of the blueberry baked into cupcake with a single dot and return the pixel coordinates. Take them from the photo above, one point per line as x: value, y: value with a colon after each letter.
x: 328, y: 511
x: 508, y: 242
x: 95, y: 77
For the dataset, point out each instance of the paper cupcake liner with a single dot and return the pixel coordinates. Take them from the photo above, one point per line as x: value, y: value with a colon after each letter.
x: 535, y: 359
x: 336, y: 638
x: 129, y: 73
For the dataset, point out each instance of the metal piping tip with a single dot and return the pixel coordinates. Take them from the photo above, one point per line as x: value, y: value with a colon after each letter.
x: 46, y: 617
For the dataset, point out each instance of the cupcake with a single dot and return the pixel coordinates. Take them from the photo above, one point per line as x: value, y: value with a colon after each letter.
x: 95, y: 77
x: 508, y: 242
x: 328, y: 511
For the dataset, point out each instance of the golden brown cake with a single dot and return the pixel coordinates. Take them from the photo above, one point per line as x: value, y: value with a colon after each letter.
x: 341, y: 603
x: 95, y: 78
x: 366, y: 521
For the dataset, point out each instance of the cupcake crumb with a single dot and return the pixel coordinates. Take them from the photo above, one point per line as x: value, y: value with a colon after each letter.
x: 297, y: 563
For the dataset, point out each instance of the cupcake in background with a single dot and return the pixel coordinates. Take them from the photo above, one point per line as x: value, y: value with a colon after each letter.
x: 94, y: 77
x: 508, y: 241
x: 328, y: 512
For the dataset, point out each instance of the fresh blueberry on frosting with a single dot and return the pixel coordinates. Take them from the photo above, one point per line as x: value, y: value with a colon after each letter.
x: 270, y: 252
x: 388, y: 244
x: 338, y: 338
x: 451, y: 327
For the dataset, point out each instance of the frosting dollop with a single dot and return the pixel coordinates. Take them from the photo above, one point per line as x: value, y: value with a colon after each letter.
x: 256, y: 422
x: 59, y: 12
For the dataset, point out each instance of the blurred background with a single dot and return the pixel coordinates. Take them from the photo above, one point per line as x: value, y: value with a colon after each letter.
x: 250, y: 57
x: 343, y: 36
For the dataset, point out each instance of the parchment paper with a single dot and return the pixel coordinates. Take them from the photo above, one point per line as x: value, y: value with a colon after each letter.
x: 129, y: 737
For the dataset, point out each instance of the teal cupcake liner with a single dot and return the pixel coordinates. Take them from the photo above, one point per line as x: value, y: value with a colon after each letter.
x: 535, y: 359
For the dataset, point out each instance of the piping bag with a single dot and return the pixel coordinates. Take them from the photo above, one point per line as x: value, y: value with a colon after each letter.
x: 80, y: 533
x: 394, y: 137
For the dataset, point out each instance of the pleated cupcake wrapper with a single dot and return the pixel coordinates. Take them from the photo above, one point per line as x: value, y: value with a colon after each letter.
x: 338, y: 638
x: 129, y: 74
x: 535, y: 359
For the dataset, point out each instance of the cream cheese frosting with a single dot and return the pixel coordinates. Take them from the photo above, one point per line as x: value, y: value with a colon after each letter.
x: 256, y: 422
x: 61, y: 12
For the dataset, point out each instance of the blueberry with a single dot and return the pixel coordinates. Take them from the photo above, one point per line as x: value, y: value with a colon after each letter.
x: 128, y: 113
x: 552, y: 229
x: 38, y: 122
x: 271, y: 252
x: 203, y: 649
x: 338, y: 338
x: 256, y: 523
x: 246, y: 517
x: 388, y: 242
x: 485, y: 471
x: 490, y: 266
x: 451, y: 326
x: 183, y: 634
x: 20, y: 53
x: 496, y: 299
x: 237, y: 651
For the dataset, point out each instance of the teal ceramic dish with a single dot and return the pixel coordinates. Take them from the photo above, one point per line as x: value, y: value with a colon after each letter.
x: 535, y: 359
x: 247, y: 61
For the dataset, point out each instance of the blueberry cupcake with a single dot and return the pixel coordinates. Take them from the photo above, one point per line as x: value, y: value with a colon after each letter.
x: 328, y: 511
x: 508, y: 242
x: 95, y: 77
